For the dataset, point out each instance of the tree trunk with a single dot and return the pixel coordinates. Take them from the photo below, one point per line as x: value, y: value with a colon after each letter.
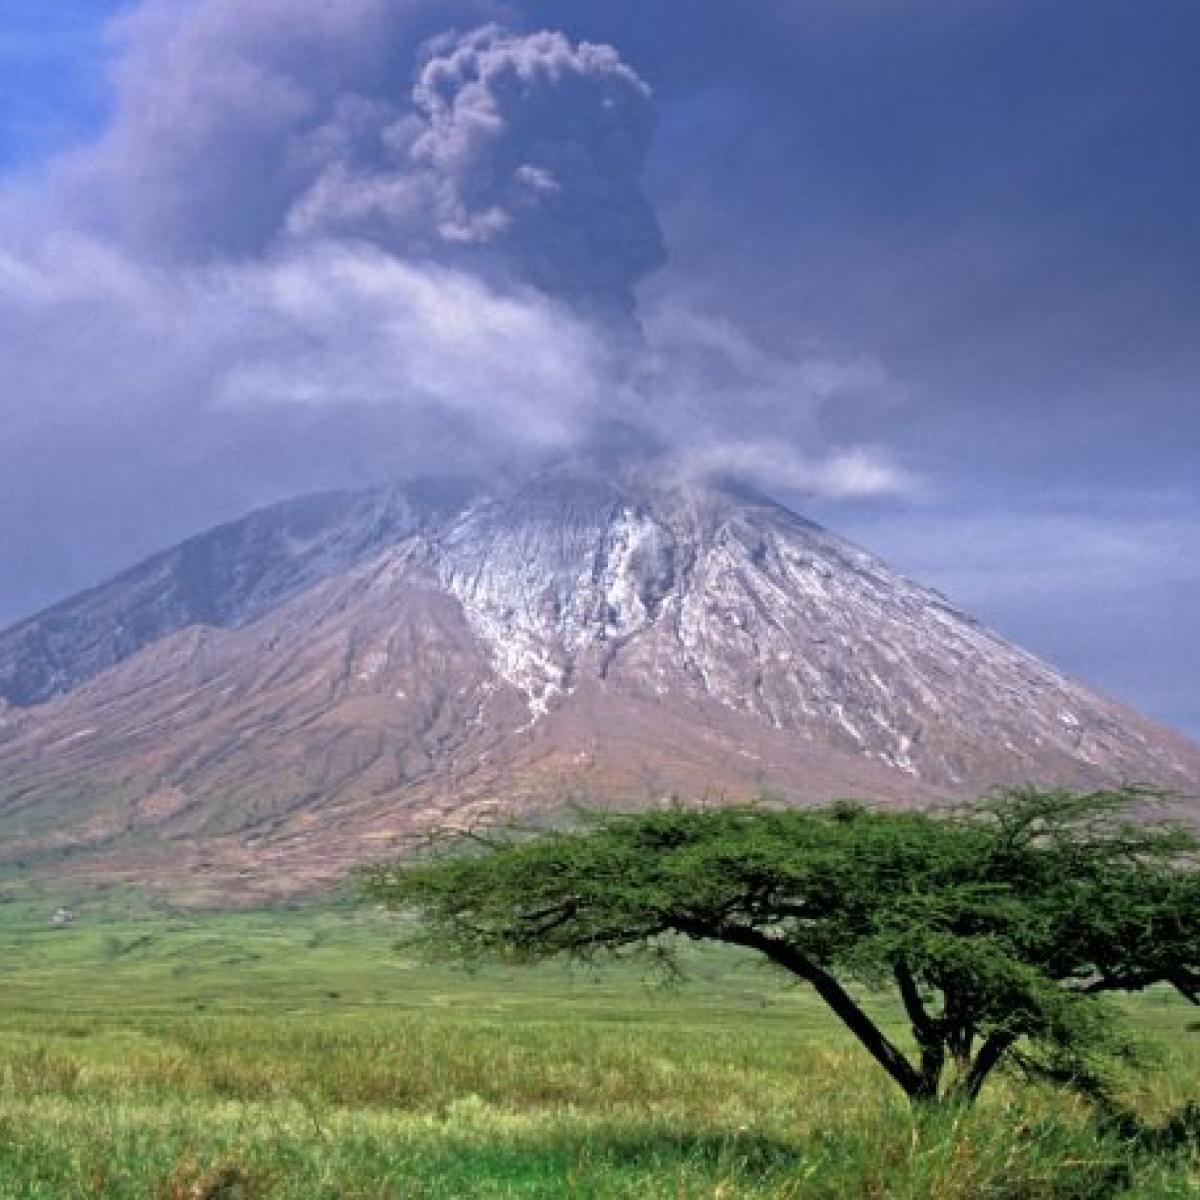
x: 966, y: 1089
x: 873, y: 1039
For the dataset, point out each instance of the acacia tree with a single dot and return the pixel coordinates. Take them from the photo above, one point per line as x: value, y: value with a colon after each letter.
x: 999, y: 927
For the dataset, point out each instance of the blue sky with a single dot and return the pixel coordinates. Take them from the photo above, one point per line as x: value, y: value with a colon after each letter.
x: 52, y: 66
x: 981, y: 221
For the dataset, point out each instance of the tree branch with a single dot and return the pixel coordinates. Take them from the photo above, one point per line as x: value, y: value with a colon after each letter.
x: 871, y: 1037
x: 926, y: 1030
x: 918, y: 1016
x: 1186, y: 983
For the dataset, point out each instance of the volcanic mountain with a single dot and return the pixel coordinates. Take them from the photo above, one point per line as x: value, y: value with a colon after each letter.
x: 276, y: 699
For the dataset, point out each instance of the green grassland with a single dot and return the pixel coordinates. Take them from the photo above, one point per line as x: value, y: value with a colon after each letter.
x: 296, y: 1053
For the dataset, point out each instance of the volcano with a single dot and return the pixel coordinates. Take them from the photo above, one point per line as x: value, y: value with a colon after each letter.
x: 262, y: 706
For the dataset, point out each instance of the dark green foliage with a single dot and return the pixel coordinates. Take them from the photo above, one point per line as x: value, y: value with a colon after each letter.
x: 1000, y: 926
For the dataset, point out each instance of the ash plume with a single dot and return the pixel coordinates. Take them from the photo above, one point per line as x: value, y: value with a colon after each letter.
x: 317, y: 245
x: 538, y: 146
x: 236, y: 127
x: 225, y: 112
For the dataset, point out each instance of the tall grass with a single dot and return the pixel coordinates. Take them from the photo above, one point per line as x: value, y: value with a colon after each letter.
x: 296, y: 1055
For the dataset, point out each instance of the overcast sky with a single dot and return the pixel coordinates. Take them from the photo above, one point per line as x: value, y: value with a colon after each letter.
x: 928, y: 270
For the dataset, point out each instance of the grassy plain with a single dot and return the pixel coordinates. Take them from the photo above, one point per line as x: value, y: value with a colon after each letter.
x: 294, y: 1054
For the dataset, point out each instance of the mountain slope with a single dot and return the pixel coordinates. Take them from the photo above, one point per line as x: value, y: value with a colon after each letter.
x: 344, y: 669
x: 223, y: 577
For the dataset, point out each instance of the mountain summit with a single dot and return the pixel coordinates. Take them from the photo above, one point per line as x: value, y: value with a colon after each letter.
x: 280, y: 697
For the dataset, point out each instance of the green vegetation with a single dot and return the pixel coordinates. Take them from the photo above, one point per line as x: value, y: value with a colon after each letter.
x: 999, y: 926
x: 295, y: 1055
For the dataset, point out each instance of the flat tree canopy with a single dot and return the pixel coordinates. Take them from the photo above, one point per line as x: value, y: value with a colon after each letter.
x: 999, y: 926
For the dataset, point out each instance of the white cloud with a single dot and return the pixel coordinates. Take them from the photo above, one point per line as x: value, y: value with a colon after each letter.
x: 337, y: 326
x: 728, y: 405
x: 860, y: 472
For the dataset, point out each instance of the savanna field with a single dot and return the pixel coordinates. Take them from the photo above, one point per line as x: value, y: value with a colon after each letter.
x: 296, y: 1053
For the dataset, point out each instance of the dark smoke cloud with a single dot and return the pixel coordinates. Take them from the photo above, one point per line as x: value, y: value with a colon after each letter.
x: 237, y: 126
x: 219, y: 109
x: 539, y: 146
x: 522, y: 153
x: 330, y: 243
